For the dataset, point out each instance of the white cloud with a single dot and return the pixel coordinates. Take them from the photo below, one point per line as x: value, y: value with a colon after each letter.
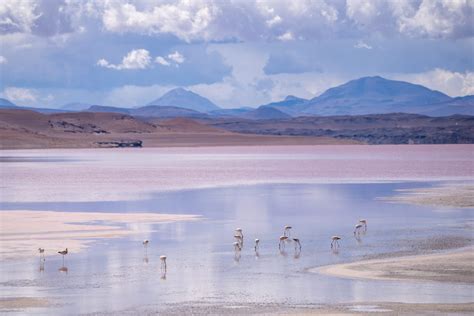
x: 103, y: 63
x: 450, y: 82
x: 135, y: 59
x: 437, y: 19
x: 22, y: 95
x: 288, y: 36
x: 3, y: 60
x: 17, y: 16
x: 162, y: 61
x: 248, y: 85
x: 176, y: 57
x: 362, y: 44
x: 243, y: 20
x: 274, y: 21
x: 185, y: 19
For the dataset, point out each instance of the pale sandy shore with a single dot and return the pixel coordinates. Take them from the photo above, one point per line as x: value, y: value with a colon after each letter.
x: 452, y: 195
x: 23, y: 232
x: 453, y: 267
x: 247, y: 308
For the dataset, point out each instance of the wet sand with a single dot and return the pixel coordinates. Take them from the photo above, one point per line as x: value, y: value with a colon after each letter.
x: 243, y: 308
x: 453, y: 267
x: 23, y: 232
x: 453, y: 195
x: 21, y: 303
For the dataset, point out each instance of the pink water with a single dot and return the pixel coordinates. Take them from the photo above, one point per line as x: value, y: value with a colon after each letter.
x: 124, y: 174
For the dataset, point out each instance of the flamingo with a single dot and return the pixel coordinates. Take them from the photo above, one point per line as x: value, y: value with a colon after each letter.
x: 163, y: 263
x: 297, y: 243
x: 256, y: 244
x: 286, y: 231
x: 282, y: 240
x: 357, y: 229
x: 145, y: 247
x: 239, y: 239
x: 335, y: 242
x: 363, y: 222
x: 41, y: 252
x: 63, y: 253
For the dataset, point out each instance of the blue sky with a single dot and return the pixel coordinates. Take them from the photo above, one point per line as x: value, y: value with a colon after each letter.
x: 236, y: 53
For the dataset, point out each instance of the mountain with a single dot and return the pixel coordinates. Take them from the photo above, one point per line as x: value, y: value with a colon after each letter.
x: 374, y: 95
x: 111, y: 109
x: 459, y: 105
x: 182, y: 98
x: 75, y: 106
x: 266, y: 113
x: 289, y: 105
x: 6, y: 104
x: 166, y: 112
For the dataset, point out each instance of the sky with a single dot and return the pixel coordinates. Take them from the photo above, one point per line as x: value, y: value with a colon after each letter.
x: 235, y: 52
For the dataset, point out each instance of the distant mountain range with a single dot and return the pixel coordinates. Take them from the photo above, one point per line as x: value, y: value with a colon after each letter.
x: 367, y: 95
x: 370, y: 95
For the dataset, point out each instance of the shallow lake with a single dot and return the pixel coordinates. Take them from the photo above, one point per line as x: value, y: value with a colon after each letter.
x: 118, y: 274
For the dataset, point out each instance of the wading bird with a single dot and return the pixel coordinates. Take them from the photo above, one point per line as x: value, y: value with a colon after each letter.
x: 239, y: 239
x: 283, y: 239
x: 286, y: 231
x: 335, y: 242
x: 163, y: 263
x: 63, y: 253
x: 358, y: 229
x: 363, y: 222
x: 257, y: 241
x: 297, y: 243
x: 41, y: 252
x: 239, y: 232
x: 145, y: 248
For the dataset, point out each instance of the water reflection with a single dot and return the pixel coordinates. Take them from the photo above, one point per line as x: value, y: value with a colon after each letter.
x: 41, y: 266
x: 237, y: 256
x: 297, y: 254
x: 63, y: 269
x: 205, y: 266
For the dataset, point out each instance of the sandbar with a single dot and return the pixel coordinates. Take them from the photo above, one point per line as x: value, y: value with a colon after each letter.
x: 450, y: 195
x: 452, y: 267
x: 23, y: 232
